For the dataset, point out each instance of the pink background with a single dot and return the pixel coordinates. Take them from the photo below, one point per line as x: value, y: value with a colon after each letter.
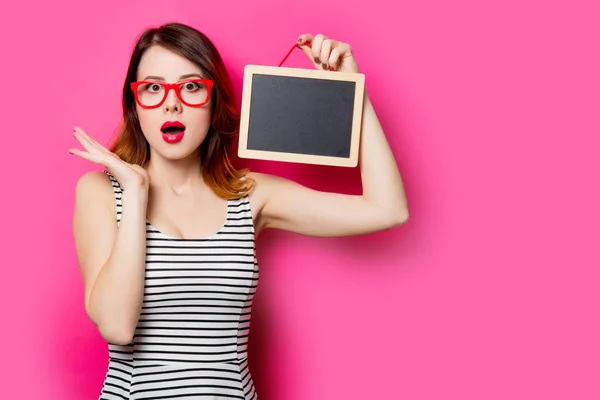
x: 490, y: 291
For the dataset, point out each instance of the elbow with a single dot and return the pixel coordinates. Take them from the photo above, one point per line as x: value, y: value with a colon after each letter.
x: 390, y: 218
x: 120, y: 340
x: 113, y: 332
x: 121, y: 337
x: 399, y: 217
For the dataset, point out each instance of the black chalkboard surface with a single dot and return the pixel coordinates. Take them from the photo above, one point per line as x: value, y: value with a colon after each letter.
x: 301, y: 115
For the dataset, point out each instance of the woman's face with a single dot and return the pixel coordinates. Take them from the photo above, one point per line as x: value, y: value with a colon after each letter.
x: 161, y: 65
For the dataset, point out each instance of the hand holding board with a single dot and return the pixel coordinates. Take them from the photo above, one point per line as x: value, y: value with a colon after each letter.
x: 300, y: 115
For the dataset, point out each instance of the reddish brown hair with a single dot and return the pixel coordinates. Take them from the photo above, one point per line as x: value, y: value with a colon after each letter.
x: 131, y: 145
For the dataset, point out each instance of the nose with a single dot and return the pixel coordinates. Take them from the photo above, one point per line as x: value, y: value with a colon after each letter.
x: 172, y: 103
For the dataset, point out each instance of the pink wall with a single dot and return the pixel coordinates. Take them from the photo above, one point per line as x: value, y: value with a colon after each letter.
x: 489, y: 292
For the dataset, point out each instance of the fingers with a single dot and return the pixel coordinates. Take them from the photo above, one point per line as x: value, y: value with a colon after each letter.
x: 109, y: 160
x: 94, y: 151
x: 86, y: 143
x: 117, y: 167
x: 334, y: 58
x: 314, y: 42
x: 316, y: 45
x: 126, y: 173
x: 80, y: 133
x: 337, y: 53
x: 324, y: 55
x: 308, y: 53
x: 305, y: 38
x: 95, y: 158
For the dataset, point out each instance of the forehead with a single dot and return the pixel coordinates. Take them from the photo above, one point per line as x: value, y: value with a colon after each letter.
x: 159, y: 61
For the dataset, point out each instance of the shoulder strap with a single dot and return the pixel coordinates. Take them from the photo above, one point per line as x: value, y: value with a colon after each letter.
x: 118, y: 193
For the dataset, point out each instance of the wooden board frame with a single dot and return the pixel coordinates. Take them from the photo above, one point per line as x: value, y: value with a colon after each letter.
x: 357, y: 78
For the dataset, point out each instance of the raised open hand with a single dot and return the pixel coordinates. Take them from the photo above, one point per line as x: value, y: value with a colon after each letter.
x: 129, y: 175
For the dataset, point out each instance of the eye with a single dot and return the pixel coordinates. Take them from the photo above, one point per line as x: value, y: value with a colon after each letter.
x: 192, y: 86
x: 153, y: 87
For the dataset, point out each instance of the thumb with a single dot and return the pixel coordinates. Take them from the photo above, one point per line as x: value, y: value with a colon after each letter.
x: 307, y: 50
x: 305, y: 38
x: 304, y: 44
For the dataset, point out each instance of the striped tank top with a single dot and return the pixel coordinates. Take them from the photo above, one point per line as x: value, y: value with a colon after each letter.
x: 192, y: 336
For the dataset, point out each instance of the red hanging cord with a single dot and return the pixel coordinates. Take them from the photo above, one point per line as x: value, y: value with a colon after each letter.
x: 290, y: 52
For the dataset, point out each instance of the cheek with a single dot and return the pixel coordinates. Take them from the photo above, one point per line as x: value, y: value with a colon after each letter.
x: 200, y: 118
x: 148, y: 120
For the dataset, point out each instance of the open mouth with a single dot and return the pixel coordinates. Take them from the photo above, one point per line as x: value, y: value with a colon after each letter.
x: 172, y: 128
x: 172, y: 131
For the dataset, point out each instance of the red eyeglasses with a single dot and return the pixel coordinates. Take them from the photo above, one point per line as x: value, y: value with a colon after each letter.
x: 191, y: 92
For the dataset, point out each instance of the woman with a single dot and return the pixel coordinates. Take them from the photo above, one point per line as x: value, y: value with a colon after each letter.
x: 171, y: 289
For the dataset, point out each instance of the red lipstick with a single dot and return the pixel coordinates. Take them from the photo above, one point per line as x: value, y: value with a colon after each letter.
x: 172, y: 131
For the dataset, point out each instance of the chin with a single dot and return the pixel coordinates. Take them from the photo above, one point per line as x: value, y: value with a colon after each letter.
x: 186, y: 147
x: 176, y: 152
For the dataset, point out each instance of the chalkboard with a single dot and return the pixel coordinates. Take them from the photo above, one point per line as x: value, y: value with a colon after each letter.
x: 300, y: 115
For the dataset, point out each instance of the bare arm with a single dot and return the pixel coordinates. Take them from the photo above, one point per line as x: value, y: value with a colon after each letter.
x: 289, y: 206
x: 382, y: 205
x: 112, y: 261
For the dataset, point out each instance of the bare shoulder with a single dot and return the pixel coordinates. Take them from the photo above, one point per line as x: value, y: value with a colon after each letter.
x: 264, y: 184
x: 94, y: 180
x: 259, y: 178
x: 94, y: 189
x: 95, y: 208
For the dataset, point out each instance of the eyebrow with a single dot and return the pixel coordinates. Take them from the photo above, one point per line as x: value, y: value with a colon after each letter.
x: 160, y: 78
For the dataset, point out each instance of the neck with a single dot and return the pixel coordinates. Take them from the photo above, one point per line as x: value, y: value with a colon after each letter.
x: 178, y: 176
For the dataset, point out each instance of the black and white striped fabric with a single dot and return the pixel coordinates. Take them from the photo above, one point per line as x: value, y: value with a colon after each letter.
x: 192, y: 336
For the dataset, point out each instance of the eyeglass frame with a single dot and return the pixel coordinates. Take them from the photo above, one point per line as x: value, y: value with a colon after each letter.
x: 175, y: 86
